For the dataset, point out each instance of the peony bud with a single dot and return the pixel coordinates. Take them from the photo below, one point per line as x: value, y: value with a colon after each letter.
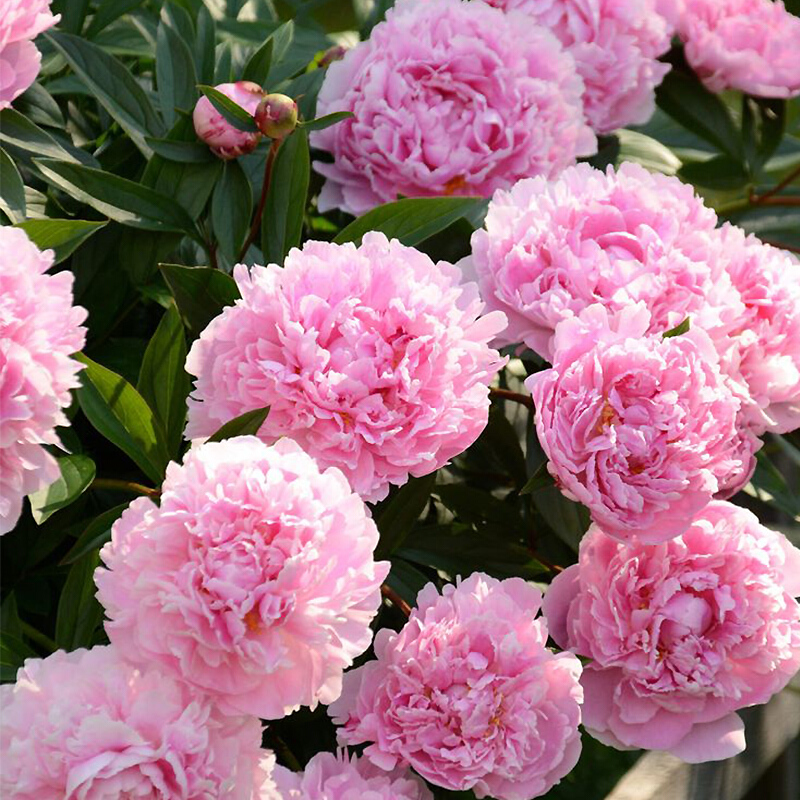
x: 224, y: 139
x: 276, y: 116
x: 335, y: 53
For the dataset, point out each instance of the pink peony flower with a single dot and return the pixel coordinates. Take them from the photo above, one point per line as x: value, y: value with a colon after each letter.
x: 550, y: 249
x: 89, y: 725
x: 615, y: 44
x: 39, y: 330
x: 224, y: 140
x: 640, y: 429
x: 253, y: 581
x: 450, y: 98
x: 681, y: 634
x: 467, y: 693
x: 330, y: 777
x: 749, y: 45
x: 21, y: 21
x: 373, y: 358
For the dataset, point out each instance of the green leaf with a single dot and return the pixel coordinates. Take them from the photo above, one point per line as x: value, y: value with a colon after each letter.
x: 122, y: 415
x: 231, y: 209
x: 247, y: 424
x: 182, y: 152
x: 411, y: 220
x: 19, y: 131
x: 62, y: 235
x: 107, y: 12
x: 320, y: 123
x: 163, y: 382
x: 77, y: 472
x: 569, y: 520
x: 779, y: 226
x: 113, y: 85
x: 406, y: 580
x: 174, y: 73
x: 771, y: 487
x: 204, y: 45
x: 95, y: 535
x: 763, y: 124
x: 201, y: 293
x: 73, y: 14
x: 396, y: 516
x: 282, y: 221
x: 122, y: 200
x: 223, y: 67
x: 12, y: 199
x: 79, y: 613
x: 39, y: 106
x: 649, y: 152
x: 540, y: 479
x: 720, y: 172
x: 678, y: 330
x: 233, y: 112
x: 257, y: 67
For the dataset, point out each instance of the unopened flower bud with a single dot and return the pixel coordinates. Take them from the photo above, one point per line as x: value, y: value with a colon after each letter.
x: 335, y: 53
x: 224, y: 139
x: 276, y: 116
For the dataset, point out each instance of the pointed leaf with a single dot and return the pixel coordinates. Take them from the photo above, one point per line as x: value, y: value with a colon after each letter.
x: 201, y: 293
x: 320, y: 123
x: 18, y: 131
x: 95, y: 535
x: 64, y: 236
x: 233, y: 112
x: 175, y: 74
x: 204, y: 45
x: 678, y: 330
x: 231, y: 209
x: 79, y: 613
x: 257, y: 67
x: 397, y: 516
x: 77, y: 472
x: 182, y: 152
x: 247, y: 424
x: 12, y: 199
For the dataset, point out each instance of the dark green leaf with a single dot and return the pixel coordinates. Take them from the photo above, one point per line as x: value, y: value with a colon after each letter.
x: 95, y: 535
x: 233, y: 112
x: 231, y: 209
x: 77, y: 472
x: 320, y: 123
x: 763, y: 121
x: 175, y: 74
x: 540, y: 479
x: 204, y: 45
x: 12, y: 197
x: 62, y: 235
x: 9, y: 616
x: 720, y: 172
x: 771, y: 486
x: 163, y: 382
x: 122, y: 415
x: 79, y: 613
x: 222, y: 69
x: 649, y: 152
x: 406, y: 580
x: 569, y: 520
x: 73, y: 13
x: 200, y: 292
x: 257, y: 67
x: 182, y: 152
x: 476, y: 506
x: 282, y: 221
x: 411, y: 220
x: 678, y: 330
x: 397, y: 516
x: 780, y: 226
x: 39, y: 106
x: 107, y: 12
x: 247, y: 424
x: 17, y: 130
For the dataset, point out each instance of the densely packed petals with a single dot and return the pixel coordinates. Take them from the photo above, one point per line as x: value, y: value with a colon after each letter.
x: 640, y: 429
x: 254, y: 580
x: 468, y: 694
x: 224, y: 139
x: 374, y: 359
x: 615, y: 46
x: 39, y: 330
x: 449, y: 98
x: 681, y: 634
x: 89, y: 725
x: 749, y: 45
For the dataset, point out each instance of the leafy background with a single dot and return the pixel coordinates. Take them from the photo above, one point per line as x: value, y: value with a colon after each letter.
x: 100, y: 162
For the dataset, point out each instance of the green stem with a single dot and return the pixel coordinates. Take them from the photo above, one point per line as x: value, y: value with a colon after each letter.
x: 124, y: 486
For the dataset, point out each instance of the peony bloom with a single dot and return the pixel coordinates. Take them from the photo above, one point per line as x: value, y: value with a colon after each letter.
x: 89, y: 725
x: 39, y: 330
x: 373, y: 358
x: 330, y: 777
x: 253, y: 581
x: 749, y: 45
x: 21, y: 21
x: 615, y: 44
x: 681, y: 634
x: 550, y: 249
x: 450, y: 98
x: 468, y: 694
x: 640, y: 429
x: 224, y: 140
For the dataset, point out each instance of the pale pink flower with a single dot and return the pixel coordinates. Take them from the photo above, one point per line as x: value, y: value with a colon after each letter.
x: 39, y: 330
x: 468, y: 694
x: 88, y: 725
x: 373, y: 358
x: 550, y: 249
x: 749, y: 45
x: 224, y: 139
x: 450, y: 98
x: 21, y: 21
x: 681, y: 634
x: 615, y: 44
x: 337, y: 777
x: 253, y: 581
x: 640, y: 429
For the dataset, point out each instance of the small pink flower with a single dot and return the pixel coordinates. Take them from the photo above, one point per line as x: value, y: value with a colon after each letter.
x: 450, y: 98
x: 615, y: 44
x: 330, y: 777
x: 468, y: 694
x: 21, y: 21
x: 373, y: 358
x: 39, y: 330
x: 749, y: 45
x: 253, y: 581
x: 224, y: 140
x: 681, y: 634
x: 640, y: 429
x: 89, y: 725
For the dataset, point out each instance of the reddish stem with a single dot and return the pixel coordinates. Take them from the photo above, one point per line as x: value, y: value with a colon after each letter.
x: 397, y: 601
x: 516, y: 397
x: 273, y: 151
